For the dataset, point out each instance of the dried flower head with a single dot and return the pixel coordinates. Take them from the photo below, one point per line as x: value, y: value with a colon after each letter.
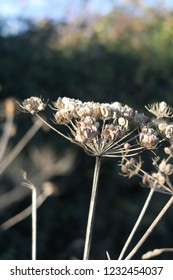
x: 160, y: 110
x: 99, y: 128
x: 33, y: 105
x: 148, y: 138
x: 131, y: 167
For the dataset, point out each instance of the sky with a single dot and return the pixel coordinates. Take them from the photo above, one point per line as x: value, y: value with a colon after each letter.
x: 55, y: 9
x: 11, y: 11
x: 59, y: 9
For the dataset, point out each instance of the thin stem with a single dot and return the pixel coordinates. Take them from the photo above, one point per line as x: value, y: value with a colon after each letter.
x: 20, y: 145
x: 23, y: 214
x: 150, y: 229
x: 7, y: 127
x: 34, y: 222
x: 91, y: 212
x: 137, y: 223
x: 50, y: 126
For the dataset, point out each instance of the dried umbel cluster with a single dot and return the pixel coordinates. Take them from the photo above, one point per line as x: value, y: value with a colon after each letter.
x: 163, y: 114
x: 103, y: 128
x: 148, y: 138
x: 33, y: 105
x: 160, y: 110
x: 160, y: 179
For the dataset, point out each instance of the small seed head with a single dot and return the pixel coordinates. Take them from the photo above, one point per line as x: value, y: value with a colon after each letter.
x: 33, y: 105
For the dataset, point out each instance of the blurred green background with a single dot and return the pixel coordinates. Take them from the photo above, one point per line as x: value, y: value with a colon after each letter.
x: 123, y: 55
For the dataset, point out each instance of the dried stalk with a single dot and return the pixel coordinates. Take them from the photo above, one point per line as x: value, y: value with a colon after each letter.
x: 150, y: 229
x: 91, y: 212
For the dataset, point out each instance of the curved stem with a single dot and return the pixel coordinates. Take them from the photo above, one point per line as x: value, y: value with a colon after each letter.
x: 136, y: 224
x: 50, y: 126
x: 91, y: 212
x: 150, y: 229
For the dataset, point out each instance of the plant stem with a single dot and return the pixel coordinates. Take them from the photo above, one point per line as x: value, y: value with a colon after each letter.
x: 150, y: 229
x: 91, y: 212
x: 34, y: 222
x: 20, y: 145
x: 137, y: 223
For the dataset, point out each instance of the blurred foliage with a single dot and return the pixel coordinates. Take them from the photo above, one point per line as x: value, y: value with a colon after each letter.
x: 124, y: 56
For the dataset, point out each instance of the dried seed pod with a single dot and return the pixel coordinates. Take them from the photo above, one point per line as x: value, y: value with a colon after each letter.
x: 126, y: 146
x: 159, y: 178
x: 169, y: 169
x: 105, y: 111
x: 168, y: 151
x: 146, y: 179
x: 162, y: 166
x: 162, y: 126
x: 169, y: 131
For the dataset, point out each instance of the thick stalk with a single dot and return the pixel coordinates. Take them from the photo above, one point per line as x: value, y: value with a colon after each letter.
x: 150, y: 229
x: 91, y: 212
x: 137, y: 223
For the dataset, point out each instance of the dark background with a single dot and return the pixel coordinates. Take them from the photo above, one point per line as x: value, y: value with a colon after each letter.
x: 124, y: 56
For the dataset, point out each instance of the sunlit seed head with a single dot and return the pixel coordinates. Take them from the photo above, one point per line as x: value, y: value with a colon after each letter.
x: 33, y: 105
x: 148, y: 138
x: 160, y: 110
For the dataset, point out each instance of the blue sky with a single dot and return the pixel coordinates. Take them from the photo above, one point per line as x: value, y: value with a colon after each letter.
x: 49, y: 8
x: 58, y: 9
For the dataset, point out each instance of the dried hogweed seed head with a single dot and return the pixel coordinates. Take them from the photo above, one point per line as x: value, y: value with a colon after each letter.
x: 148, y: 138
x: 33, y: 105
x: 160, y: 110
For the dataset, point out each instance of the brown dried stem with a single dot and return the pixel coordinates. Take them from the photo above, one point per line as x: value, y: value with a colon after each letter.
x: 150, y: 229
